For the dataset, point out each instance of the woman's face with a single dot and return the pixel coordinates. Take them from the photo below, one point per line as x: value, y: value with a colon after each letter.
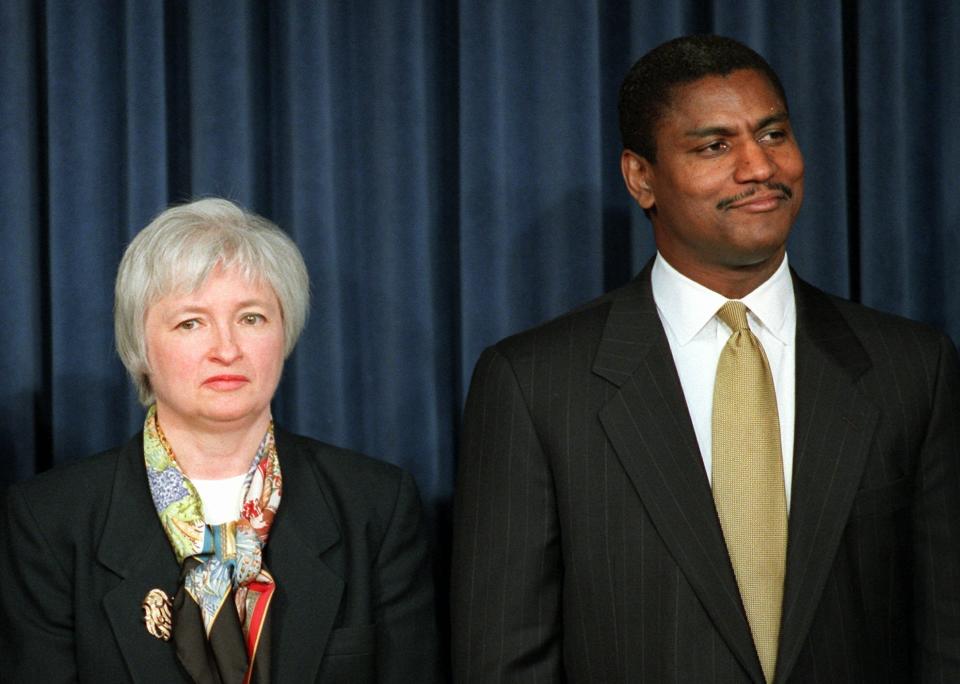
x: 215, y: 355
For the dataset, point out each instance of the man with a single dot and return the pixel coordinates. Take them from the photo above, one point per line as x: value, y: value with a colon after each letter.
x: 661, y: 487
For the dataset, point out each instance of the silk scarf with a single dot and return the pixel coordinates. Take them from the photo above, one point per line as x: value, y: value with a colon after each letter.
x: 221, y: 565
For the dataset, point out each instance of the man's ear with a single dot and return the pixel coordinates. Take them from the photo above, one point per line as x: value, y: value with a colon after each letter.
x: 638, y: 174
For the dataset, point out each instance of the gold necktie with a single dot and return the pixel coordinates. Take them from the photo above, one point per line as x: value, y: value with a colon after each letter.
x: 748, y: 484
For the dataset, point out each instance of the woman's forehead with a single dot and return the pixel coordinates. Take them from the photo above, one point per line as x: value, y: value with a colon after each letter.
x: 219, y: 282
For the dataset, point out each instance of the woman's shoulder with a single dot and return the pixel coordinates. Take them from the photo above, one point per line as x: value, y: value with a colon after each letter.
x: 350, y: 477
x: 81, y: 480
x: 333, y: 459
x: 67, y: 505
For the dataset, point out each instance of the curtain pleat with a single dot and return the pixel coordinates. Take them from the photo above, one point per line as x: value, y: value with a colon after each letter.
x: 450, y: 171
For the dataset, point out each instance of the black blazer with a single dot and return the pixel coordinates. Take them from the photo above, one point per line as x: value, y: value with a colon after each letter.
x: 80, y: 546
x: 586, y: 542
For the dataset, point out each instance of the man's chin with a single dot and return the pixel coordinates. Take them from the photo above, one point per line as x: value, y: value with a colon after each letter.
x: 756, y: 259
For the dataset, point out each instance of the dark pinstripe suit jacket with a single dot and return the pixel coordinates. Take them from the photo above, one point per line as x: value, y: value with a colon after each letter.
x: 586, y: 543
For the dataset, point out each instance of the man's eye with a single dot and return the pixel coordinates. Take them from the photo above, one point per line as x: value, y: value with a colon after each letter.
x: 715, y: 147
x: 773, y: 136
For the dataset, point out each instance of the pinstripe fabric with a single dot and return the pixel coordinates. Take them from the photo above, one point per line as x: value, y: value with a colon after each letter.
x: 587, y: 547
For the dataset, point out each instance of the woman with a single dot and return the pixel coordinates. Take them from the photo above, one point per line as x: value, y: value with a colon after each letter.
x: 214, y: 547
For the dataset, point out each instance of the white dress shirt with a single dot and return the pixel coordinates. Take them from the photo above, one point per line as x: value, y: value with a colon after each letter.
x: 696, y: 336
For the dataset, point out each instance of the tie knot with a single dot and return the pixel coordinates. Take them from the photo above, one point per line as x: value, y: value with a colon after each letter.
x: 734, y: 314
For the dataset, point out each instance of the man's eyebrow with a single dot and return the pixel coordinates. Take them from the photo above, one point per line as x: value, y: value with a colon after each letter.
x: 724, y: 131
x: 709, y: 131
x: 779, y: 117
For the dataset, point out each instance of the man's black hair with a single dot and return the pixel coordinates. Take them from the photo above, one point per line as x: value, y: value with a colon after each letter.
x: 650, y: 85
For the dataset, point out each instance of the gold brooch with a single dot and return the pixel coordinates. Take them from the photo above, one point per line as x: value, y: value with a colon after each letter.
x: 156, y: 614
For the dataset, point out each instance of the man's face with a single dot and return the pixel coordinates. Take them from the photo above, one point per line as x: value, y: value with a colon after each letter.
x: 728, y: 180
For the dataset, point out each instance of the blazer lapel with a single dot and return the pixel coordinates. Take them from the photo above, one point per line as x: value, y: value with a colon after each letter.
x: 308, y: 591
x: 135, y: 548
x: 649, y: 426
x: 834, y: 425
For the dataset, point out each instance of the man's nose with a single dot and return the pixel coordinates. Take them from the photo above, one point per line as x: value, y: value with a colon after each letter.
x: 754, y: 164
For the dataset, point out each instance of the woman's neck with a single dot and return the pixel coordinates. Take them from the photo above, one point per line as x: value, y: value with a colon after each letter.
x: 214, y: 454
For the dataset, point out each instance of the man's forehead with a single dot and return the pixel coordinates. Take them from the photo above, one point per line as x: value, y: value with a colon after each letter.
x: 751, y: 83
x: 744, y: 94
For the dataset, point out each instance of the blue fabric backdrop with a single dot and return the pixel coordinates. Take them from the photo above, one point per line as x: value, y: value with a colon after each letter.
x: 450, y: 171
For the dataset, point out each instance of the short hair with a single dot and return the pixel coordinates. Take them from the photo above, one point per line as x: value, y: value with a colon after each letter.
x: 648, y: 89
x: 176, y: 253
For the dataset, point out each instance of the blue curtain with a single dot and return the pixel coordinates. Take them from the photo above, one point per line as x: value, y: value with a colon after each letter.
x: 450, y: 171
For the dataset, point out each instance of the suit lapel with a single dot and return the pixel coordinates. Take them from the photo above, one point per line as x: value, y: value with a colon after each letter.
x: 135, y: 548
x: 649, y: 426
x: 308, y: 591
x: 834, y: 425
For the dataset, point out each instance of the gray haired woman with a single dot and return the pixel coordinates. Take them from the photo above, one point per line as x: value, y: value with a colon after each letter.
x: 214, y: 547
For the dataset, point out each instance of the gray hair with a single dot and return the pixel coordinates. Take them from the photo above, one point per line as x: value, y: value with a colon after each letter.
x: 178, y: 251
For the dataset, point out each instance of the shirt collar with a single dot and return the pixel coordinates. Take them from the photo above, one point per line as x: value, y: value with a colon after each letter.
x: 687, y: 306
x: 772, y: 304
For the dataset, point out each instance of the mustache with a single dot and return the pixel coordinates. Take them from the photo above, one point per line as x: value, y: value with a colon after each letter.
x: 724, y: 204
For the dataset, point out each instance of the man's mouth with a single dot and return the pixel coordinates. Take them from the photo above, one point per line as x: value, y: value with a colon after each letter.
x: 751, y: 197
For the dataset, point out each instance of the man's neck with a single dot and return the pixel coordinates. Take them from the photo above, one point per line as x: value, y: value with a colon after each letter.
x: 732, y: 282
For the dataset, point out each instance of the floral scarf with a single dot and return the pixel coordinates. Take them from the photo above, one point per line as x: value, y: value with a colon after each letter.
x: 218, y: 562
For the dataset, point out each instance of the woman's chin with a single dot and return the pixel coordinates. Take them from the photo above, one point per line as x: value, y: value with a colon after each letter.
x: 227, y: 410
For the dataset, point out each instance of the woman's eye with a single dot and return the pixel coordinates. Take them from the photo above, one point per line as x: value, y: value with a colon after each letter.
x: 252, y: 319
x: 189, y: 325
